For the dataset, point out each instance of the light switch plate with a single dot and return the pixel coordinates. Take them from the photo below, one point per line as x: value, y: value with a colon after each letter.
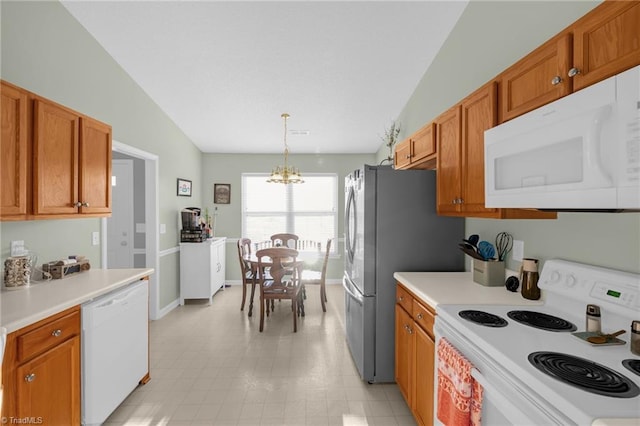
x: 163, y: 228
x: 518, y: 250
x: 95, y: 238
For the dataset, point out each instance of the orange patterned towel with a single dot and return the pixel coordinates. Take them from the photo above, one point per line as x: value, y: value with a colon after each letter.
x: 459, y: 395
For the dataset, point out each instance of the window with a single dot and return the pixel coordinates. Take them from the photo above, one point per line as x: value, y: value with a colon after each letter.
x: 309, y: 210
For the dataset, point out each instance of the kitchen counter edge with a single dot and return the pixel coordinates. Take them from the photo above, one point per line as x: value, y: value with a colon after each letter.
x: 457, y: 288
x: 25, y: 306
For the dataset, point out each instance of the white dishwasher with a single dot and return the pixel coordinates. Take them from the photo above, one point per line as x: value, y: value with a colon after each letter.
x: 115, y: 347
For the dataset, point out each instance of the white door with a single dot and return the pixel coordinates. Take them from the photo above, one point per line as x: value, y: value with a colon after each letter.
x: 120, y: 224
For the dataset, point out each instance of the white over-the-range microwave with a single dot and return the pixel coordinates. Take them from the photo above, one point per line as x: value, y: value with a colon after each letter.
x: 581, y: 152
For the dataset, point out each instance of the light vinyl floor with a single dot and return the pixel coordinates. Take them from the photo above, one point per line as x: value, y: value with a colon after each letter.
x: 210, y: 365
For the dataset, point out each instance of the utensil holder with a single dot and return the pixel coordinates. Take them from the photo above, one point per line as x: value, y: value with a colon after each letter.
x: 489, y: 273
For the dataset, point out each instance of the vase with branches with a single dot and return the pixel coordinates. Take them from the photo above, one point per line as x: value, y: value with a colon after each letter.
x: 390, y: 138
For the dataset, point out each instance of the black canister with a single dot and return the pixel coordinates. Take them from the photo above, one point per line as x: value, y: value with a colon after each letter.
x: 635, y: 338
x: 529, y: 279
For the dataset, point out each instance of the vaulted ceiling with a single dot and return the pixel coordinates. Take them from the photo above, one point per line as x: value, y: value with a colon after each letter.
x: 224, y: 72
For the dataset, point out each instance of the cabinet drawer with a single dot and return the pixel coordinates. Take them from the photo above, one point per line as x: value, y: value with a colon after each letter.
x: 424, y: 317
x: 404, y: 299
x: 48, y: 335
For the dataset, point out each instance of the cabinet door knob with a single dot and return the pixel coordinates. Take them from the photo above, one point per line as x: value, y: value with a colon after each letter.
x: 420, y: 316
x: 56, y: 333
x: 85, y: 204
x: 400, y: 299
x: 30, y: 377
x: 556, y: 80
x: 78, y: 204
x: 407, y: 156
x: 573, y: 72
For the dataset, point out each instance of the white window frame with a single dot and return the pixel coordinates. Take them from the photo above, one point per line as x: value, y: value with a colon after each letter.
x: 288, y: 213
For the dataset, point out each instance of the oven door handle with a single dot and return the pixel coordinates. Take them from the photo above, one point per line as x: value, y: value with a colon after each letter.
x: 507, y: 408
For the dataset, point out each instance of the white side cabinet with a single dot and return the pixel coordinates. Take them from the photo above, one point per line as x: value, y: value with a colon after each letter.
x: 202, y: 269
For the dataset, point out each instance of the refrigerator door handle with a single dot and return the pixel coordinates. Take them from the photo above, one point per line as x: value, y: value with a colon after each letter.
x: 346, y: 283
x: 350, y: 228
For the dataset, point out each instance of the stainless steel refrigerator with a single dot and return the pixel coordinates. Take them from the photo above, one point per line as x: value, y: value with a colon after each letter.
x: 390, y: 225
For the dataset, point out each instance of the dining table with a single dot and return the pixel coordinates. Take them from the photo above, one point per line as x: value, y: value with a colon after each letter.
x: 252, y: 260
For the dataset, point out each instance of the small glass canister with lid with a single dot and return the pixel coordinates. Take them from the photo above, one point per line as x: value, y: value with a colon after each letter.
x: 635, y: 338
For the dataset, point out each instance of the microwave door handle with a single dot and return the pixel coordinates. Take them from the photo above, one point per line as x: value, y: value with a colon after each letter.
x: 594, y: 149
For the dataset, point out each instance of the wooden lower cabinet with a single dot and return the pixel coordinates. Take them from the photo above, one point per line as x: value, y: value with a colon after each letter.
x: 404, y: 352
x: 48, y: 387
x: 424, y: 376
x: 41, y: 372
x: 415, y: 354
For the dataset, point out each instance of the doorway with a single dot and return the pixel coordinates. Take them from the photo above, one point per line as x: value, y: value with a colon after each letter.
x: 120, y: 238
x: 146, y: 227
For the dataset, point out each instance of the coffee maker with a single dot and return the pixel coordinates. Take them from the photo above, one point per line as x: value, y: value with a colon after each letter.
x: 191, y: 231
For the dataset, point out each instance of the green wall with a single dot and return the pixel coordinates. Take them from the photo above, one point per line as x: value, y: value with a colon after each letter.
x: 488, y: 38
x: 228, y: 168
x: 45, y: 50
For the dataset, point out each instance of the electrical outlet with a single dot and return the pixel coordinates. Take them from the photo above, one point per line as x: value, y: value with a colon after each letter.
x: 17, y: 248
x: 518, y: 250
x: 95, y: 238
x: 163, y: 228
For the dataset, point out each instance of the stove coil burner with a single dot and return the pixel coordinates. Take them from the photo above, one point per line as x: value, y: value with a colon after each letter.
x: 584, y: 374
x: 632, y: 365
x: 483, y: 318
x: 540, y: 320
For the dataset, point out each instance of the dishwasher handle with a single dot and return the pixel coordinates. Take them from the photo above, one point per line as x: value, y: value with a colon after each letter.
x: 121, y: 298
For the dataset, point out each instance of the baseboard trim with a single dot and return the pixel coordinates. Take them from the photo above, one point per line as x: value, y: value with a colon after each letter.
x: 170, y: 307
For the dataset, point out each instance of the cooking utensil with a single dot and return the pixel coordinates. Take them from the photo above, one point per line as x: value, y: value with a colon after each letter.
x: 473, y: 240
x: 504, y: 243
x: 603, y: 338
x: 486, y: 250
x: 470, y: 251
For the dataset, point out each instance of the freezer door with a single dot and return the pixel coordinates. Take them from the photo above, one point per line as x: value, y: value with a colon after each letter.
x: 360, y: 331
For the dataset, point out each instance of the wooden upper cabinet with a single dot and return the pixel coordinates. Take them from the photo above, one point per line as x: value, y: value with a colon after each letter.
x: 449, y: 184
x: 606, y: 42
x: 460, y: 136
x: 537, y: 79
x: 418, y: 151
x: 56, y: 144
x: 424, y: 143
x: 55, y: 162
x: 402, y: 155
x: 95, y: 166
x: 72, y: 163
x: 479, y: 113
x: 13, y: 152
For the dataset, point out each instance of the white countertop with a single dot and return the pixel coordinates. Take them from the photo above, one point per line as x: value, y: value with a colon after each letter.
x: 457, y: 288
x: 25, y: 306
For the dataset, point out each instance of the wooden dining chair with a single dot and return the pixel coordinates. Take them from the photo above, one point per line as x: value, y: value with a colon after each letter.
x: 248, y: 273
x: 318, y: 277
x: 283, y: 281
x: 285, y: 240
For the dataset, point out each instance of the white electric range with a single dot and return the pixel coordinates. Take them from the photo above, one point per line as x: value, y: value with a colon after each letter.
x: 518, y: 392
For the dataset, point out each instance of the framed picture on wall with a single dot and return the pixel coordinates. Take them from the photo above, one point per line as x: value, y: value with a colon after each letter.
x: 184, y: 188
x: 221, y: 193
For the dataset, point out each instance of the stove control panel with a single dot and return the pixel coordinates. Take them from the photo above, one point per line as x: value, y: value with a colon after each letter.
x: 616, y: 294
x: 586, y: 282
